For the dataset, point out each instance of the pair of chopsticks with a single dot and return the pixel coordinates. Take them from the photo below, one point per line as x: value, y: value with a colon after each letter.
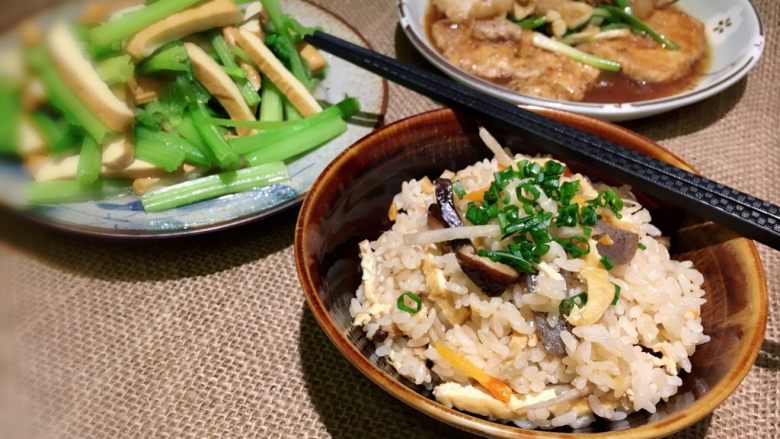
x: 744, y: 214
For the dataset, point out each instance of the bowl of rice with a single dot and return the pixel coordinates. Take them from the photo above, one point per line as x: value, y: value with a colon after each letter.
x: 509, y: 293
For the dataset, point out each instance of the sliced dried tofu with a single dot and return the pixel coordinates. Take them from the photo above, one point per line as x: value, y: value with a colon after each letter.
x: 145, y: 89
x: 269, y: 65
x: 81, y: 76
x: 201, y: 17
x: 475, y: 400
x: 118, y: 153
x: 219, y: 84
x: 600, y: 291
x: 30, y: 141
x: 313, y: 58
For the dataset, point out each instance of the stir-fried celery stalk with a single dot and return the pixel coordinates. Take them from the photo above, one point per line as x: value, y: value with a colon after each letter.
x: 214, y: 186
x: 290, y: 112
x: 63, y: 98
x: 186, y: 129
x: 640, y: 27
x: 242, y: 55
x: 227, y: 57
x: 159, y: 154
x: 51, y: 130
x: 532, y: 22
x: 546, y: 43
x: 10, y: 109
x: 70, y: 140
x: 281, y: 28
x: 127, y: 25
x: 171, y: 58
x: 271, y: 106
x: 192, y: 154
x: 298, y: 142
x: 223, y: 153
x: 90, y: 162
x: 275, y: 136
x: 236, y: 73
x: 116, y: 70
x: 72, y: 191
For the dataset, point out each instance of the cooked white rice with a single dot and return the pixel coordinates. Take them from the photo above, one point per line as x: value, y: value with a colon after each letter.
x: 605, y: 371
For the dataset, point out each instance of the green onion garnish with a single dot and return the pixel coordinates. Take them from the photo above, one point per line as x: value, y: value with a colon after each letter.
x: 617, y: 294
x: 606, y: 263
x: 576, y: 246
x: 401, y: 302
x: 588, y: 215
x: 641, y: 246
x: 568, y: 304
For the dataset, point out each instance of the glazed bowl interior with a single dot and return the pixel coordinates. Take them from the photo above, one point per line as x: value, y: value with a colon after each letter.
x: 349, y: 203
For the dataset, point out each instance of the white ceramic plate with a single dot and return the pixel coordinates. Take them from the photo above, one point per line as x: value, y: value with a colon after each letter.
x: 123, y: 217
x: 733, y: 28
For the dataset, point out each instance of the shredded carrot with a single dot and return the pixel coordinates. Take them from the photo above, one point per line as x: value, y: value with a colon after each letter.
x: 499, y: 389
x: 502, y: 166
x: 478, y: 195
x: 392, y: 213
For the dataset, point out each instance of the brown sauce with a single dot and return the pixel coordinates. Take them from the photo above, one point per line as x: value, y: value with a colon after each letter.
x: 612, y: 88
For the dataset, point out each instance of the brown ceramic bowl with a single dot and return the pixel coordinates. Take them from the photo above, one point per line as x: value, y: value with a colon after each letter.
x: 349, y: 203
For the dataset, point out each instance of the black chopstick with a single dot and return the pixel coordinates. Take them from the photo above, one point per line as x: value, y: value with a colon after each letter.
x: 742, y: 213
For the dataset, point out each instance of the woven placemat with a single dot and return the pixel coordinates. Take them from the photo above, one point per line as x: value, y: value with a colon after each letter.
x: 211, y: 337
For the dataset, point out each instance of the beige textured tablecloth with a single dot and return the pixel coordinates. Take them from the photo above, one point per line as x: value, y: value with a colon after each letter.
x: 211, y: 336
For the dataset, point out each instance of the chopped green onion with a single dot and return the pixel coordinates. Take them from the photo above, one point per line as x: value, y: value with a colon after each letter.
x: 71, y: 191
x: 576, y: 246
x: 606, y: 263
x: 401, y: 302
x: 567, y: 216
x: 457, y: 188
x: 567, y: 191
x: 214, y: 186
x: 641, y: 246
x: 530, y: 189
x: 129, y: 24
x: 588, y: 215
x: 568, y: 304
x: 544, y: 42
x: 116, y: 70
x: 617, y: 294
x: 640, y: 27
x: 532, y: 22
x: 90, y: 162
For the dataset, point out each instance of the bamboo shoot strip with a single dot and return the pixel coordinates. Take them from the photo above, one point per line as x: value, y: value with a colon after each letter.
x: 71, y: 191
x: 114, y: 31
x: 90, y: 162
x: 215, y: 186
x: 298, y: 142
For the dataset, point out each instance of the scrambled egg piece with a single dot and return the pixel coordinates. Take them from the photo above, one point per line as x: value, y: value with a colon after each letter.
x: 439, y: 294
x: 370, y: 287
x: 600, y: 291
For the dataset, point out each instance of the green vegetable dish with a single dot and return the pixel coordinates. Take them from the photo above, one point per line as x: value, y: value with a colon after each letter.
x: 180, y: 101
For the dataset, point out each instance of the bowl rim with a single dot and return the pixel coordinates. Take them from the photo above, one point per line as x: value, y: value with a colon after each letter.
x: 615, y: 111
x: 699, y: 409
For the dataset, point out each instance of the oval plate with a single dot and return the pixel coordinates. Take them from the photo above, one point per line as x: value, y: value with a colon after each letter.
x: 123, y: 217
x: 733, y: 29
